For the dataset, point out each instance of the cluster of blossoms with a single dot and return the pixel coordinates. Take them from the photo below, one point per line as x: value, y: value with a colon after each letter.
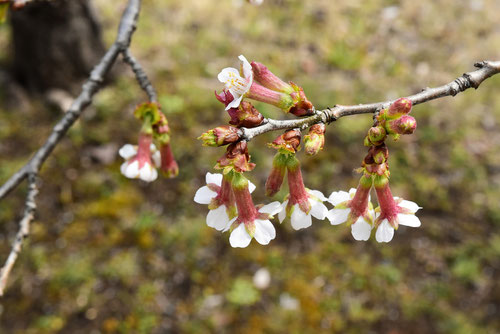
x: 354, y: 207
x: 228, y: 195
x: 142, y: 160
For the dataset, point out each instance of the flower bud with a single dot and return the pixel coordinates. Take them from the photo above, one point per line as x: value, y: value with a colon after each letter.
x: 376, y: 135
x: 221, y: 135
x: 403, y: 125
x: 301, y: 105
x: 236, y: 158
x: 315, y: 140
x: 278, y: 99
x: 267, y: 79
x: 379, y: 154
x: 289, y: 141
x: 275, y: 179
x: 245, y: 116
x: 168, y: 165
x: 399, y: 107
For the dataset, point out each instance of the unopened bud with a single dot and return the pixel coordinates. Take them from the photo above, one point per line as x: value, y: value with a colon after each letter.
x: 245, y: 116
x: 168, y: 166
x: 288, y: 141
x: 315, y: 139
x: 399, y: 107
x: 275, y: 179
x: 236, y: 157
x: 269, y: 80
x: 301, y: 105
x: 379, y: 154
x: 403, y: 125
x: 221, y: 135
x: 376, y: 135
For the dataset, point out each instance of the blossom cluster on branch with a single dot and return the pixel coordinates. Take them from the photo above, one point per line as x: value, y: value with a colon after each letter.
x: 228, y: 195
x: 141, y: 161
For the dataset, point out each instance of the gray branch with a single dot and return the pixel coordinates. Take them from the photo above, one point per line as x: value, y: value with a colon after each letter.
x: 32, y: 168
x: 140, y: 75
x: 468, y: 80
x: 24, y: 230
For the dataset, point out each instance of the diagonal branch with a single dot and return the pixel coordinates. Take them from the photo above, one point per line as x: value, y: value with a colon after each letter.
x: 31, y: 169
x: 468, y: 80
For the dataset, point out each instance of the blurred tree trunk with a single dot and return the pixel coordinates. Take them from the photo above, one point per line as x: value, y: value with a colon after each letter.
x: 54, y: 44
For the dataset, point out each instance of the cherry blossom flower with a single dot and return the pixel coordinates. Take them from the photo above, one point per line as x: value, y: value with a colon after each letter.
x: 354, y: 207
x: 218, y: 195
x: 392, y: 212
x: 251, y: 222
x: 301, y: 204
x: 347, y: 209
x: 259, y: 228
x: 241, y: 84
x: 140, y: 161
x: 237, y: 85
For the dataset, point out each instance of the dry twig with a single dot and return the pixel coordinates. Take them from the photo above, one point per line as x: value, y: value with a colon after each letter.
x: 32, y: 168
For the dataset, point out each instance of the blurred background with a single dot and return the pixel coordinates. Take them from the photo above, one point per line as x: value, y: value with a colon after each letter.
x: 113, y: 255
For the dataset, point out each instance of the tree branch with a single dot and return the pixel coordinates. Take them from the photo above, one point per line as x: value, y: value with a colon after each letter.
x: 140, y: 75
x: 473, y: 79
x: 32, y: 168
x: 24, y: 230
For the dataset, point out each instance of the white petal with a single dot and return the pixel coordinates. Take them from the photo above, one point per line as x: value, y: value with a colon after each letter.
x: 123, y: 168
x: 352, y: 192
x: 204, y: 195
x: 408, y: 220
x: 156, y: 157
x: 239, y: 237
x: 236, y: 102
x: 148, y: 173
x: 318, y: 194
x: 338, y: 216
x: 154, y: 175
x: 300, y: 219
x: 213, y: 178
x: 247, y: 68
x: 264, y: 231
x: 361, y: 230
x: 251, y: 187
x: 318, y: 209
x: 412, y: 206
x: 228, y: 226
x: 228, y: 73
x: 385, y: 232
x: 218, y: 218
x: 338, y: 197
x: 132, y: 170
x: 271, y: 208
x: 282, y: 214
x: 127, y: 151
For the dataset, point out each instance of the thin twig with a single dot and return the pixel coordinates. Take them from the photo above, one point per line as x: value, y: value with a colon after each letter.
x: 473, y: 79
x: 31, y: 169
x: 140, y: 75
x: 24, y: 230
